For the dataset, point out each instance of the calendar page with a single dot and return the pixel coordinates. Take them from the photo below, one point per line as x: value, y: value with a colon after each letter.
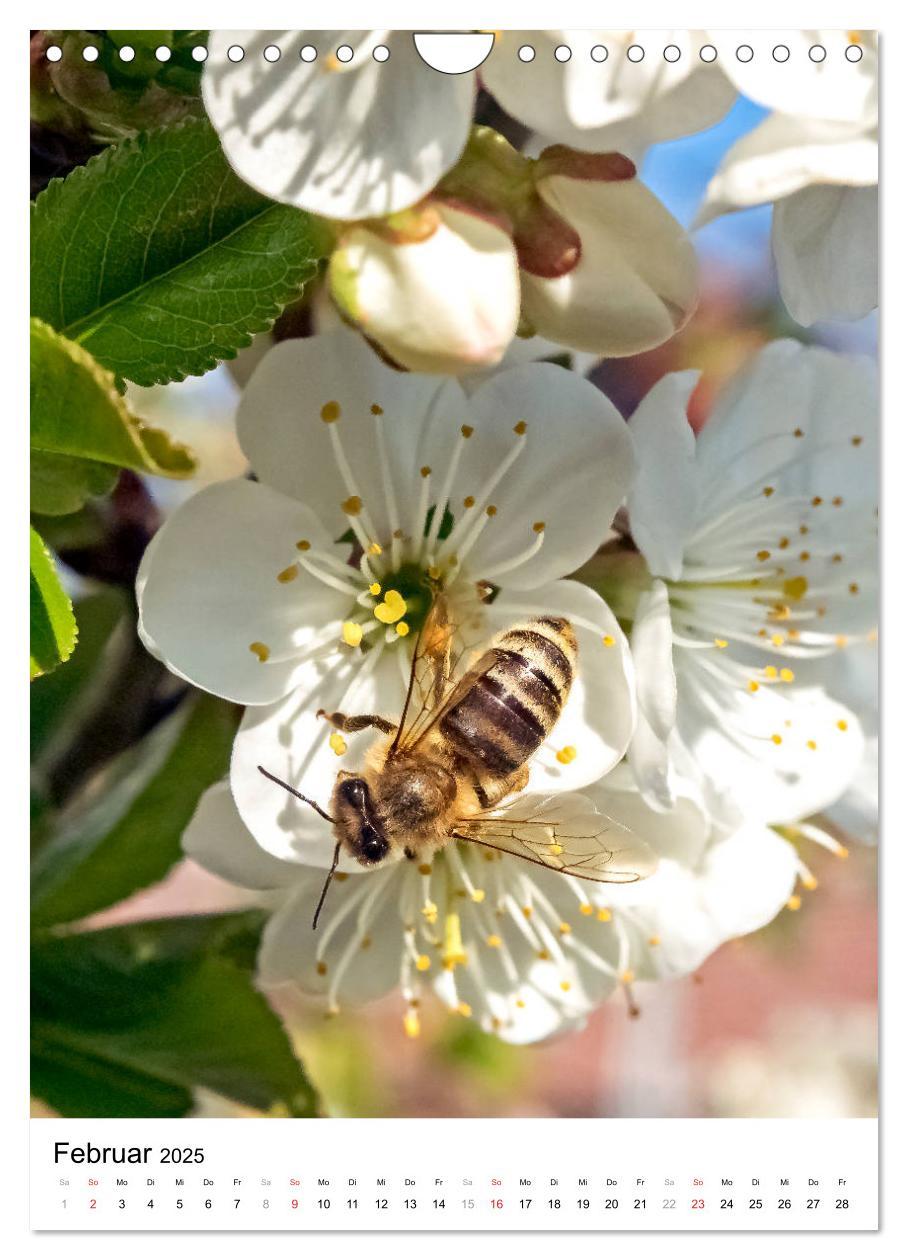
x: 453, y: 614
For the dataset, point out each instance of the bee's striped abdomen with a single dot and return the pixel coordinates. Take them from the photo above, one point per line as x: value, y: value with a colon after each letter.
x: 519, y: 688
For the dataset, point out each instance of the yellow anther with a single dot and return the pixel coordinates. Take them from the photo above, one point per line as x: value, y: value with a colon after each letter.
x: 538, y: 527
x: 321, y: 968
x: 261, y: 650
x: 837, y: 501
x: 770, y: 671
x: 375, y: 589
x: 763, y: 554
x: 520, y: 428
x: 627, y: 977
x: 837, y: 558
x: 423, y: 962
x: 856, y: 441
x: 352, y: 506
x: 798, y: 433
x: 453, y: 953
x: 840, y: 851
x: 366, y: 942
x: 340, y: 877
x: 777, y: 640
x: 853, y: 588
x: 769, y: 491
x: 794, y: 902
x: 352, y: 633
x: 466, y: 430
x: 721, y: 643
x: 810, y: 882
x: 655, y: 940
x: 411, y: 1023
x: 303, y: 545
x: 776, y: 739
x: 375, y: 549
x: 331, y: 412
x: 425, y: 471
x: 544, y: 955
x: 469, y: 501
x: 491, y: 510
x: 795, y: 588
x: 842, y: 724
x: 430, y: 912
x: 425, y: 868
x: 527, y: 911
x: 816, y: 500
x: 493, y: 941
x: 565, y: 985
x: 433, y: 572
x: 812, y: 745
x: 402, y: 629
x: 787, y: 675
x: 565, y: 929
x: 463, y: 1008
x: 608, y: 640
x: 783, y: 543
x: 377, y: 410
x: 566, y: 755
x: 603, y: 915
x: 753, y: 685
x: 288, y: 574
x: 803, y: 529
x: 841, y: 640
x: 804, y: 556
x: 520, y: 1003
x: 586, y: 908
x: 337, y: 743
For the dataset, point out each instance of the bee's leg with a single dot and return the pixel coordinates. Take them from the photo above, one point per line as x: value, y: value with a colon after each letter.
x: 490, y: 792
x: 359, y: 723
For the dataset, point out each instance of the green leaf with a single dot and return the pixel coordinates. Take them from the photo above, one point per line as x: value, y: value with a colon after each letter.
x: 160, y: 261
x: 82, y: 431
x: 53, y: 697
x: 52, y: 625
x: 133, y: 1011
x: 129, y: 835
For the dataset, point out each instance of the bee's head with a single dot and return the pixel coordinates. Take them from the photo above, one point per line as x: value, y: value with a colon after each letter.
x: 356, y: 824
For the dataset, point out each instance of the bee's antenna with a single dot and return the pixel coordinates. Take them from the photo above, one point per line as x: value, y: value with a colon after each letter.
x: 328, y: 878
x: 293, y: 792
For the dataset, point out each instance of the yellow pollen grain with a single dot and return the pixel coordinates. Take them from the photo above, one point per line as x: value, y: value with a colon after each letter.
x: 761, y: 633
x: 783, y: 543
x: 352, y: 506
x: 795, y: 588
x: 288, y: 574
x: 493, y: 941
x: 520, y: 1003
x: 423, y: 962
x: 543, y: 955
x: 803, y: 529
x: 777, y: 640
x: 331, y: 412
x: 527, y: 911
x: 261, y: 650
x: 565, y: 929
x: 787, y: 675
x: 816, y: 500
x: 853, y: 588
x: 837, y: 558
x: 366, y: 942
x: 768, y: 491
x: 794, y: 902
x: 566, y: 755
x: 627, y: 977
x: 856, y: 441
x: 608, y: 640
x: 352, y: 633
x: 303, y: 545
x: 603, y: 915
x: 469, y: 501
x: 763, y: 554
x: 520, y: 428
x: 753, y: 685
x: 465, y: 1009
x: 798, y: 433
x: 842, y: 724
x: 776, y: 739
x: 321, y: 968
x: 538, y: 527
x: 586, y: 908
x: 377, y: 410
x: 337, y: 743
x: 466, y: 430
x: 771, y: 672
x: 804, y: 556
x: 411, y: 1023
x: 425, y: 868
x: 491, y: 510
x: 565, y: 985
x: 402, y: 629
x: 425, y: 471
x: 840, y: 851
x: 655, y: 940
x: 837, y: 501
x: 721, y: 643
x: 340, y: 877
x: 478, y: 895
x: 375, y: 549
x: 841, y: 640
x: 812, y: 745
x: 556, y: 849
x: 375, y: 589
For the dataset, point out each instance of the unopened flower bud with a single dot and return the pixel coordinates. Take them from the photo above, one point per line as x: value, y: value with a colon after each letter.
x: 440, y: 293
x: 635, y: 281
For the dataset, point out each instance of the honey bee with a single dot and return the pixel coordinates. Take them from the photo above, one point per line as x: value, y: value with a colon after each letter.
x: 460, y: 748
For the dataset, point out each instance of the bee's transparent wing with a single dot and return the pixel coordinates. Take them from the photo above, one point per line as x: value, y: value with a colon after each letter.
x: 581, y: 842
x: 430, y: 672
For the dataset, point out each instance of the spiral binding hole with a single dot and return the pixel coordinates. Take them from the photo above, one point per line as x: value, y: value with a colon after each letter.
x: 671, y: 53
x: 599, y: 52
x: 199, y: 53
x: 817, y: 53
x: 744, y: 52
x: 781, y: 52
x: 381, y: 52
x: 344, y: 53
x: 162, y: 52
x: 854, y: 52
x: 235, y: 53
x: 708, y: 53
x: 90, y: 53
x: 526, y: 52
x: 308, y: 53
x: 635, y: 53
x: 562, y: 53
x: 272, y: 53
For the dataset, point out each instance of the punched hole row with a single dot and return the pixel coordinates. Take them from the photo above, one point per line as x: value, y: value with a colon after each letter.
x: 525, y: 53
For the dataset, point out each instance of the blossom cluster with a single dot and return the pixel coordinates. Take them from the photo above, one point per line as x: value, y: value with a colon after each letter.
x: 715, y: 582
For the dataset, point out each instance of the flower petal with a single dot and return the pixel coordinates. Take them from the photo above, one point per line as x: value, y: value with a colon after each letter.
x: 663, y: 499
x: 597, y: 721
x: 290, y: 446
x: 825, y: 241
x: 571, y: 477
x: 348, y: 141
x: 218, y: 839
x: 210, y: 603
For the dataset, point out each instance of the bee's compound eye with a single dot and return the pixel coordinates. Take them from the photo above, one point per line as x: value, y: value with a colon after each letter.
x: 373, y: 846
x: 353, y: 792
